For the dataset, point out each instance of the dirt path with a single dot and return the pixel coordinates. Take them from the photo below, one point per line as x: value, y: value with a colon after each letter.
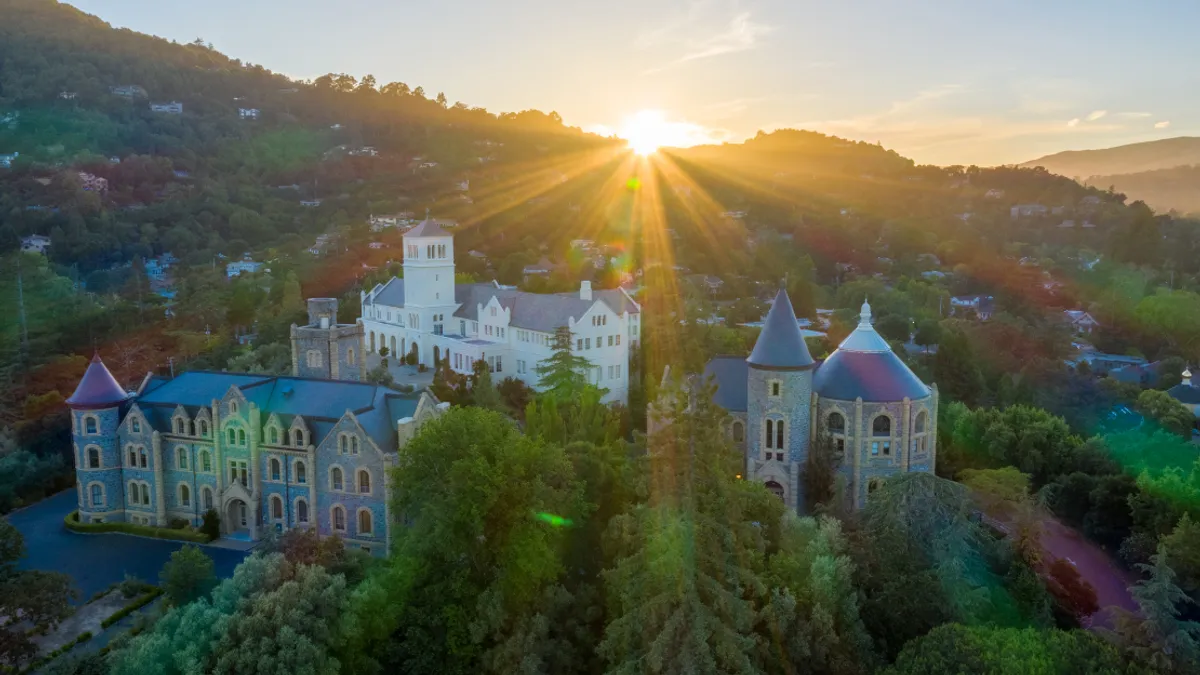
x: 1111, y: 581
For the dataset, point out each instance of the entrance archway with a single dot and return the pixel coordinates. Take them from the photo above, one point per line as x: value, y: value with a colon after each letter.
x: 774, y: 488
x: 437, y: 356
x: 393, y: 351
x: 237, y: 518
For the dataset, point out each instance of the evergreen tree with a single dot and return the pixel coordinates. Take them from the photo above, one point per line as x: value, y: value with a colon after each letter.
x: 1157, y: 636
x: 956, y: 369
x: 483, y: 393
x: 563, y: 374
x: 188, y: 575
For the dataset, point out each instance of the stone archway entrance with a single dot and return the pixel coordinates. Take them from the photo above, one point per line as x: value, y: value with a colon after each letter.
x: 237, y: 518
x: 775, y: 489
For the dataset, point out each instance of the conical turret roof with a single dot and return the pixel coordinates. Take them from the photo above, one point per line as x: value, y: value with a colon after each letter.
x: 97, y: 389
x: 781, y: 345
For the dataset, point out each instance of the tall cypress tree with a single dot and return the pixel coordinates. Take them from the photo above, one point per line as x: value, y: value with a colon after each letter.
x: 563, y: 374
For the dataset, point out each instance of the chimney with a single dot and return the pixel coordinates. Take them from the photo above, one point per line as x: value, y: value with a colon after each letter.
x: 585, y: 290
x: 324, y: 322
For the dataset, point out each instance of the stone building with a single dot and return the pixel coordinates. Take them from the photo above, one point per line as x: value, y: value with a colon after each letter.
x: 264, y: 452
x: 879, y: 418
x: 325, y: 348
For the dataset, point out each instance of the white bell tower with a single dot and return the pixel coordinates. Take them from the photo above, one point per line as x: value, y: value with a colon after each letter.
x: 429, y: 274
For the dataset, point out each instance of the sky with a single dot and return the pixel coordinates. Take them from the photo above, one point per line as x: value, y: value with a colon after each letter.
x: 940, y: 81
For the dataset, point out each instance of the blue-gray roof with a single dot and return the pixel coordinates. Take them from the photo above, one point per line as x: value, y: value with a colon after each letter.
x: 392, y: 293
x: 731, y: 375
x: 320, y: 402
x: 874, y: 376
x: 1185, y: 393
x: 781, y: 345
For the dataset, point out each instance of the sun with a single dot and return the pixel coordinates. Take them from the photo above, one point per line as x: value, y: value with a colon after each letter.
x: 649, y: 130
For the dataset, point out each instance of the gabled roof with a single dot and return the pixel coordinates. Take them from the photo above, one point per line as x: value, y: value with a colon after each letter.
x: 392, y: 293
x: 97, y: 389
x: 781, y: 345
x: 731, y: 376
x: 427, y: 228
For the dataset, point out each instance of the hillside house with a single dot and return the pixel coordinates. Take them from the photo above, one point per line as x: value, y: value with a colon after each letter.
x: 92, y: 182
x: 1027, y: 211
x: 1101, y: 363
x: 1080, y: 321
x: 993, y: 194
x: 235, y: 269
x: 128, y: 90
x: 35, y: 243
x: 172, y: 108
x: 249, y: 113
x: 982, y: 305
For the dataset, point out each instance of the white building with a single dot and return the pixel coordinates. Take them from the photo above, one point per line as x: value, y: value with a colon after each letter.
x: 35, y: 243
x: 173, y: 108
x: 249, y: 113
x: 428, y: 315
x: 234, y: 269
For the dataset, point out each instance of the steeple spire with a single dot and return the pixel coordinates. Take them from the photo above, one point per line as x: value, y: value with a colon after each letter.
x: 781, y: 345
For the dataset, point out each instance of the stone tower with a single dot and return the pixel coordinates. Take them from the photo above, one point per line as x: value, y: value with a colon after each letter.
x: 327, y: 349
x: 95, y: 417
x: 778, y: 405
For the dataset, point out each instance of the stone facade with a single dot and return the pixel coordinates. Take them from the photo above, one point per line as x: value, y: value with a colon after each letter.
x: 248, y: 455
x: 773, y: 457
x: 326, y: 349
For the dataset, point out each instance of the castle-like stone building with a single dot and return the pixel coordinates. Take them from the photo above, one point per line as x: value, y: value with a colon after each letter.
x: 880, y: 417
x: 265, y: 452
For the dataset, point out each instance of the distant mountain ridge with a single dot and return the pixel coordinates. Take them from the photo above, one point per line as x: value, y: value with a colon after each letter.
x: 1159, y: 173
x: 1123, y: 159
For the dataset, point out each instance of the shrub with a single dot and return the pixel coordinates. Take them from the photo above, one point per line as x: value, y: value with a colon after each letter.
x: 132, y: 607
x: 72, y: 523
x: 211, y: 527
x: 177, y: 523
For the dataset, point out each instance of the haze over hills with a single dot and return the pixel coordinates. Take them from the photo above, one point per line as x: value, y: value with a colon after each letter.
x: 1161, y: 173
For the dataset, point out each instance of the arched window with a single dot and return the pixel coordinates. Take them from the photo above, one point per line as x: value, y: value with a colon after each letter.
x: 343, y: 444
x: 205, y: 461
x: 135, y: 493
x: 350, y: 358
x: 297, y: 437
x: 354, y: 445
x: 93, y: 457
x: 97, y: 495
x: 232, y: 436
x: 275, y: 469
x: 301, y: 511
x: 339, y: 519
x: 206, y: 498
x: 233, y: 407
x: 881, y: 426
x: 135, y: 425
x: 89, y: 425
x: 920, y: 424
x: 178, y: 425
x: 132, y: 456
x: 836, y: 423
x: 335, y: 478
x: 739, y: 432
x: 181, y: 458
x: 274, y: 435
x: 185, y: 496
x: 276, y: 507
x: 770, y: 434
x: 241, y: 436
x: 364, y: 482
x: 372, y: 341
x: 365, y: 521
x: 202, y: 428
x: 301, y: 472
x: 142, y: 462
x: 779, y: 435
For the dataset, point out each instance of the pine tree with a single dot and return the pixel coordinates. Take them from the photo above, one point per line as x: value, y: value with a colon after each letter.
x: 1158, y: 637
x: 563, y: 374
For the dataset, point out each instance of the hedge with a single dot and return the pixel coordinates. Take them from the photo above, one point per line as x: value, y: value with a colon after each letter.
x: 42, y: 661
x: 72, y: 522
x: 131, y: 607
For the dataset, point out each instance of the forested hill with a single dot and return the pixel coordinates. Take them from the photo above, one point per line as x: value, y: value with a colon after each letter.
x: 206, y: 181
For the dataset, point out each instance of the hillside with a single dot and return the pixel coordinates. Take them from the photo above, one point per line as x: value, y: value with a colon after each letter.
x: 1124, y: 159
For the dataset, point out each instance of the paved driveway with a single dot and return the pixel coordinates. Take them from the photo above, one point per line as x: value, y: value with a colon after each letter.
x: 95, y: 561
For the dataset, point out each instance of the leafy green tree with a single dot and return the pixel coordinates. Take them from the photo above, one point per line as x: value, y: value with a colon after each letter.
x: 1183, y: 552
x: 211, y: 525
x: 41, y: 600
x: 582, y: 418
x: 956, y: 369
x: 563, y: 374
x: 953, y: 649
x: 810, y: 622
x: 188, y: 575
x: 928, y: 333
x: 1169, y: 413
x: 1156, y: 635
x: 894, y: 327
x: 488, y: 510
